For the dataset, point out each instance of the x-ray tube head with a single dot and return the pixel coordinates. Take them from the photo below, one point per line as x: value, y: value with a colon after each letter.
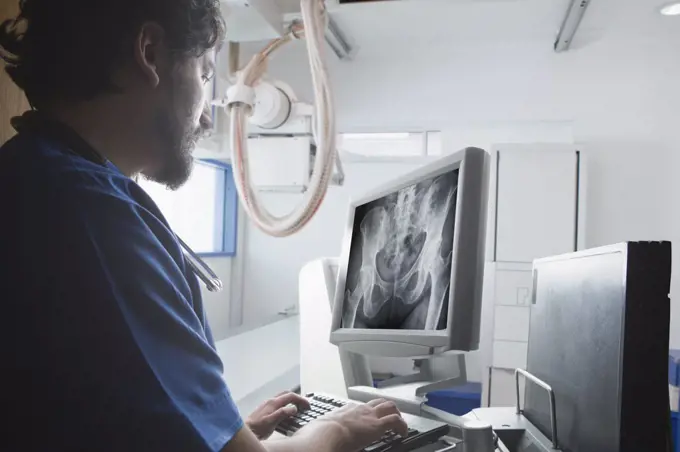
x: 410, y: 279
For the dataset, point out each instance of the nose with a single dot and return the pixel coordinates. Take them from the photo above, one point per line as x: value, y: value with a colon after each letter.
x: 206, y: 121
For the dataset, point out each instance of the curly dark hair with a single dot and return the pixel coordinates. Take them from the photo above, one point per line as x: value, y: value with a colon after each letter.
x: 67, y: 50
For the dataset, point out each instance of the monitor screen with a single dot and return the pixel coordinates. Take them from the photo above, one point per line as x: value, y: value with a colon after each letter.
x: 399, y: 269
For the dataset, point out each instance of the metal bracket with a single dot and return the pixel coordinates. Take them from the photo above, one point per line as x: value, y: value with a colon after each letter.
x: 342, y: 46
x: 575, y: 13
x: 431, y: 379
x: 546, y: 386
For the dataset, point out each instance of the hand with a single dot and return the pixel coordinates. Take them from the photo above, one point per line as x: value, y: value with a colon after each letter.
x: 354, y: 427
x: 265, y: 418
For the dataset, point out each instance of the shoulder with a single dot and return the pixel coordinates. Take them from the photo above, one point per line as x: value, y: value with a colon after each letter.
x: 48, y: 189
x: 37, y: 161
x: 90, y: 224
x: 35, y: 171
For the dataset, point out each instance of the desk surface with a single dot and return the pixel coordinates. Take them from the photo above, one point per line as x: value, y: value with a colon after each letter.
x: 260, y: 363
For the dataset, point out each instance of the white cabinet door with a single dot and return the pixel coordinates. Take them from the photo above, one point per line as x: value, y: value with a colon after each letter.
x: 502, y: 389
x: 513, y: 286
x: 536, y: 204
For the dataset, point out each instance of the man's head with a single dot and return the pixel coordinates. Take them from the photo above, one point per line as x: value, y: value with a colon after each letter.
x: 149, y: 60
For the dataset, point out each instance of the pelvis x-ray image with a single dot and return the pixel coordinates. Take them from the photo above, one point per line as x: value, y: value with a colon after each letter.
x: 399, y: 270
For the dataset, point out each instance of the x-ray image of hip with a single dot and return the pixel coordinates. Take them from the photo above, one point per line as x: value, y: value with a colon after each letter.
x: 399, y: 269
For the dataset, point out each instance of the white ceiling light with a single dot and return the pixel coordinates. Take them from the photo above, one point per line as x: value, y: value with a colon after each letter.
x: 672, y: 9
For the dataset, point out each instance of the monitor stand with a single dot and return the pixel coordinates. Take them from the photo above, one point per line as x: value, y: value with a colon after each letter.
x: 409, y: 392
x: 431, y: 375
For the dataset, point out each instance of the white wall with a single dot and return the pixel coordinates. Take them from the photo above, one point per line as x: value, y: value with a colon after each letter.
x: 273, y: 264
x: 619, y: 98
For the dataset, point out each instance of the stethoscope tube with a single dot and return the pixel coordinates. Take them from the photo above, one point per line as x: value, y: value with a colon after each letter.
x: 201, y: 269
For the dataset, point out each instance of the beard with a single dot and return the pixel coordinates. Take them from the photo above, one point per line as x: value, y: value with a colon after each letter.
x: 177, y: 134
x: 179, y: 142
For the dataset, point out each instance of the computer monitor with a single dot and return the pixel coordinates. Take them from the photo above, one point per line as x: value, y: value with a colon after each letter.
x: 412, y: 263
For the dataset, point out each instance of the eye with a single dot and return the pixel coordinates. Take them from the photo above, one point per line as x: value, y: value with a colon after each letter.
x: 208, y: 76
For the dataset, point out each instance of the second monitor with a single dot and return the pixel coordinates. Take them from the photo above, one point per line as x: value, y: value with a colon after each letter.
x: 411, y: 269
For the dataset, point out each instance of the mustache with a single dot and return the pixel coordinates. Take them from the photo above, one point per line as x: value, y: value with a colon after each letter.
x: 199, y: 133
x: 204, y: 132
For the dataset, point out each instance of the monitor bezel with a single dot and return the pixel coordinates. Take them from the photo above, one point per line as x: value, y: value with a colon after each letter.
x: 436, y: 340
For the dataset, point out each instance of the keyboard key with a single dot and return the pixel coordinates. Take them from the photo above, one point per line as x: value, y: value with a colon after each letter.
x: 375, y: 447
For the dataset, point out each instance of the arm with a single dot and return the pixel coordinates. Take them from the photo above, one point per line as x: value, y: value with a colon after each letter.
x: 348, y: 429
x: 245, y: 441
x: 142, y: 371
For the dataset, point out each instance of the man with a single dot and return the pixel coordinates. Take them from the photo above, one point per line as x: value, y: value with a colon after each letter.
x: 105, y: 345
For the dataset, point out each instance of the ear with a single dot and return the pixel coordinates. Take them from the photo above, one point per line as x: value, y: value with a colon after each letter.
x: 151, y: 53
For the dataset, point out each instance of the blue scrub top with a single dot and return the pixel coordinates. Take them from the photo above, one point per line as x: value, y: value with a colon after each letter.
x: 104, y: 339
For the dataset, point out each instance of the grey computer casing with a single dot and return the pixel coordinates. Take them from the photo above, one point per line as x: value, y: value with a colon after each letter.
x: 599, y: 337
x: 467, y: 269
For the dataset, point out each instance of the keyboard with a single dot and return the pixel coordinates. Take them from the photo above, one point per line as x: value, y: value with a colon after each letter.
x: 421, y: 432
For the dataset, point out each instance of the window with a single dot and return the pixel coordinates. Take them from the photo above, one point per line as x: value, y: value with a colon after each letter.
x: 203, y: 212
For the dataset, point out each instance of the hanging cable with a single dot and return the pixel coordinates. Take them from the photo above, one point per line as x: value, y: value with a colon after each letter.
x: 242, y: 96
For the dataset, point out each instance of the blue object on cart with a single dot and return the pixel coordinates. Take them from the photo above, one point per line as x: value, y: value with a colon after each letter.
x: 459, y: 400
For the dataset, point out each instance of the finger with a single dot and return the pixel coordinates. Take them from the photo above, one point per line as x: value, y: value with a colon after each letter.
x: 396, y: 423
x: 282, y: 414
x: 376, y: 402
x: 290, y: 397
x: 386, y: 409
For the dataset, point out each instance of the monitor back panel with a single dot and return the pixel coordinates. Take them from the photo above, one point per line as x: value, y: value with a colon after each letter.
x: 599, y: 336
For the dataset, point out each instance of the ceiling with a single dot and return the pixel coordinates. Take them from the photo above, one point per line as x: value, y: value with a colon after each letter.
x: 451, y: 22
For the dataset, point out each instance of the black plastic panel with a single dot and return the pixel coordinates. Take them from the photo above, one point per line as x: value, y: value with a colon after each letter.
x: 599, y: 336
